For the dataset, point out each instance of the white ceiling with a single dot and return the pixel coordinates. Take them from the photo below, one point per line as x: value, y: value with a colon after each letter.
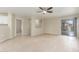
x: 32, y: 11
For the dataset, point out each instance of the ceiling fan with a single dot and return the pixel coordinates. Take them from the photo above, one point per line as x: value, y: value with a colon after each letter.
x: 45, y: 10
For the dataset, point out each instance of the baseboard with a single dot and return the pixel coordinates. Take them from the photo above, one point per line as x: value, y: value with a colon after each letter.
x: 51, y: 34
x: 36, y: 35
x: 7, y: 39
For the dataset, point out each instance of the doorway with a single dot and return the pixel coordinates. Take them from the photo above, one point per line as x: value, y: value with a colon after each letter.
x: 18, y: 27
x: 69, y: 27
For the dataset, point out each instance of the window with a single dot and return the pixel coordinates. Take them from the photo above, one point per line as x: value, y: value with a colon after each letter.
x: 3, y: 19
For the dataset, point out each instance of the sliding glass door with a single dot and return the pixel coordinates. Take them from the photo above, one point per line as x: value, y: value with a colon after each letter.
x: 69, y: 27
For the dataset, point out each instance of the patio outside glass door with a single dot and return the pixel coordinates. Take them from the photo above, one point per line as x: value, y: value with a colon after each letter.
x: 69, y: 27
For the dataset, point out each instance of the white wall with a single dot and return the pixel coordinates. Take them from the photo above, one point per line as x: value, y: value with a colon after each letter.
x: 4, y: 32
x: 25, y: 26
x: 4, y: 28
x: 7, y: 31
x: 78, y: 27
x: 11, y: 24
x: 36, y: 31
x: 53, y: 26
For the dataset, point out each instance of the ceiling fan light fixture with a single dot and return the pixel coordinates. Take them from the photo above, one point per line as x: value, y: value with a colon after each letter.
x: 44, y: 12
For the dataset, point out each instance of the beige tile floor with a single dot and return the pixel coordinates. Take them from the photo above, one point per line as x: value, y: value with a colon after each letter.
x: 43, y: 43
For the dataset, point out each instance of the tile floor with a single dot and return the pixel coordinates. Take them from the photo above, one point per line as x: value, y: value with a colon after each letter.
x: 43, y: 43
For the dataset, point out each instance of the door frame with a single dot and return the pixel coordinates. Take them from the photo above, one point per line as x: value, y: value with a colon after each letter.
x: 75, y: 25
x: 17, y: 18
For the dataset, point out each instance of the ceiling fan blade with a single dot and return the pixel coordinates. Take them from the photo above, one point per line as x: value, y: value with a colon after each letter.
x: 41, y: 8
x: 50, y: 11
x: 49, y: 8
